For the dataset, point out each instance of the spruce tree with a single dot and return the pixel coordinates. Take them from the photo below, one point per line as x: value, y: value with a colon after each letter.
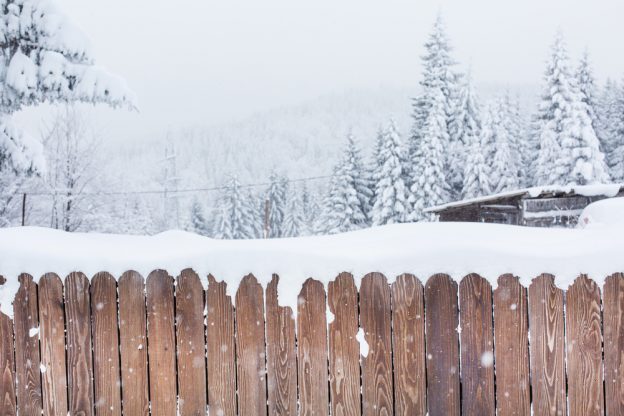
x: 616, y: 154
x: 234, y: 214
x: 587, y: 88
x: 504, y: 171
x: 199, y: 224
x: 569, y: 149
x: 294, y: 221
x: 391, y: 205
x: 477, y: 168
x: 276, y: 199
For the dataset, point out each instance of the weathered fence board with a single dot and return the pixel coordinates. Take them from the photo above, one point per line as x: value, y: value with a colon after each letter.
x: 281, y: 355
x: 477, y: 340
x: 584, y: 348
x: 442, y: 345
x: 375, y: 315
x: 190, y: 339
x: 79, y: 352
x: 133, y: 344
x: 408, y: 334
x: 161, y: 353
x: 105, y: 345
x: 27, y: 361
x: 8, y: 404
x: 547, y: 347
x: 613, y: 312
x: 344, y: 349
x: 312, y: 350
x: 220, y: 349
x: 511, y: 348
x: 250, y: 348
x: 52, y: 345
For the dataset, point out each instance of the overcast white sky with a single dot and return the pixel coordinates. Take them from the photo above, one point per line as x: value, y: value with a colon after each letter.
x: 206, y: 61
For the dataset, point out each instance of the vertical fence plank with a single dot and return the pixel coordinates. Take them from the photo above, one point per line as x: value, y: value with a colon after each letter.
x: 443, y: 395
x: 27, y: 360
x: 52, y: 338
x: 584, y: 348
x: 221, y: 350
x: 614, y: 344
x: 8, y: 405
x: 191, y: 349
x: 250, y: 348
x: 408, y: 336
x: 477, y: 343
x: 511, y: 347
x: 312, y: 349
x: 161, y: 344
x: 375, y: 320
x: 548, y: 382
x: 79, y: 353
x: 133, y: 344
x: 105, y: 345
x: 344, y: 349
x: 281, y: 354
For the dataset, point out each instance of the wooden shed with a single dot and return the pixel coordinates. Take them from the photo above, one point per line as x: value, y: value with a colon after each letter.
x: 547, y: 206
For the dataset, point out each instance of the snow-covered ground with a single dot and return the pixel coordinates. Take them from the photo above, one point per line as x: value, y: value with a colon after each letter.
x: 421, y: 248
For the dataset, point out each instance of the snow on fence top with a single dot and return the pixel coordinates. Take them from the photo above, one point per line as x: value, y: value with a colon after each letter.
x: 420, y: 248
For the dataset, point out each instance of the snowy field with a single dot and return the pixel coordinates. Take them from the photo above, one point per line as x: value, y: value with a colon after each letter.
x: 422, y: 249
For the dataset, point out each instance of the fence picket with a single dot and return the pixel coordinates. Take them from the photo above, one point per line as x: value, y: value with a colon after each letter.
x: 52, y: 344
x: 547, y: 347
x: 375, y: 320
x: 477, y: 343
x: 408, y: 335
x: 79, y: 352
x: 344, y: 349
x: 250, y: 348
x: 133, y: 344
x: 312, y: 349
x: 442, y: 346
x: 8, y: 405
x: 614, y: 344
x: 221, y: 350
x: 281, y: 354
x: 105, y: 345
x: 511, y: 348
x: 161, y: 354
x: 191, y: 348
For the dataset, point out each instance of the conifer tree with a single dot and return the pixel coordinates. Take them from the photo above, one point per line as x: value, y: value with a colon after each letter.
x: 391, y: 205
x: 477, y: 168
x: 276, y: 199
x: 199, y: 223
x: 616, y: 154
x: 234, y: 215
x: 294, y: 220
x: 587, y: 88
x: 504, y: 171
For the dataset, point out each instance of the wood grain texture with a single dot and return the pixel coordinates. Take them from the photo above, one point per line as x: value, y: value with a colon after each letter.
x: 613, y: 306
x: 477, y: 346
x: 408, y: 340
x: 547, y: 346
x: 250, y: 348
x: 52, y: 344
x: 442, y: 344
x: 312, y: 349
x: 27, y: 359
x: 161, y: 344
x: 8, y: 403
x: 79, y: 352
x: 281, y: 354
x: 221, y: 350
x: 133, y: 344
x: 375, y: 320
x: 344, y: 349
x: 107, y: 380
x: 191, y: 346
x: 584, y: 348
x: 511, y: 348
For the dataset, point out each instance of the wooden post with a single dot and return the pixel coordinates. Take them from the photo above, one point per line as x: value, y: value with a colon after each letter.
x: 24, y: 209
x: 267, y: 205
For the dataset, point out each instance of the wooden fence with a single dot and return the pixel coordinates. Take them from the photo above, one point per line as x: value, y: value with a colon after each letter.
x: 162, y: 346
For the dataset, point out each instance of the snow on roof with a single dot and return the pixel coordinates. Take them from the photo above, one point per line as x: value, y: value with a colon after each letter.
x: 419, y: 248
x: 608, y: 190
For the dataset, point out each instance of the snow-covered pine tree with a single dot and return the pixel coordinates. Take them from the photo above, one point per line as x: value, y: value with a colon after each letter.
x: 349, y: 200
x: 294, y: 221
x: 234, y: 217
x: 390, y: 205
x: 616, y: 155
x: 569, y: 149
x: 504, y: 171
x: 477, y: 168
x: 276, y: 200
x: 428, y: 177
x: 199, y: 224
x: 607, y: 115
x: 587, y: 87
x: 466, y: 124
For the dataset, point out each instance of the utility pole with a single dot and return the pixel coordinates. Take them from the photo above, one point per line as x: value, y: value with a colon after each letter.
x: 24, y: 209
x: 171, y: 214
x: 267, y: 208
